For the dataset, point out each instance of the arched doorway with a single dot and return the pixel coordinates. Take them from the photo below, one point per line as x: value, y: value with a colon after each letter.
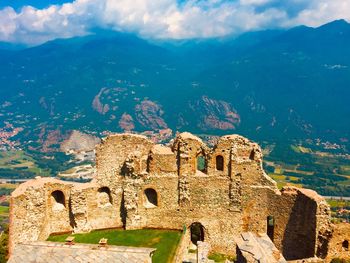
x: 197, y: 232
x: 201, y: 163
x: 58, y: 197
x: 104, y: 197
x: 58, y: 201
x: 151, y: 198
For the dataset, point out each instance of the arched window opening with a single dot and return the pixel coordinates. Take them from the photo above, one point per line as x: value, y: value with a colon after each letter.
x: 151, y: 198
x: 58, y: 200
x: 104, y: 197
x: 252, y: 155
x: 270, y: 227
x: 219, y: 163
x: 197, y: 232
x: 345, y: 245
x: 201, y: 163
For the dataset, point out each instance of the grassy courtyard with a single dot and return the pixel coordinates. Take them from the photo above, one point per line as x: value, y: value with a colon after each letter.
x: 165, y: 241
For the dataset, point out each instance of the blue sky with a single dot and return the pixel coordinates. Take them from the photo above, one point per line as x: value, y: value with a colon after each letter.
x: 17, y: 4
x: 36, y: 21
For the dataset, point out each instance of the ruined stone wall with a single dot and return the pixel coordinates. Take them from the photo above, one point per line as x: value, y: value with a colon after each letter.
x: 35, y: 213
x: 93, y: 206
x: 25, y: 226
x: 338, y: 246
x: 300, y: 230
x: 207, y: 205
x: 140, y: 184
x: 114, y: 150
x: 44, y: 206
x: 301, y: 220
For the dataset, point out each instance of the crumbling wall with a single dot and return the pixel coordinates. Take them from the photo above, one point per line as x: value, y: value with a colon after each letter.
x: 94, y: 207
x: 35, y: 213
x: 301, y: 229
x: 112, y: 153
x: 338, y: 246
x: 255, y: 208
x: 300, y: 233
x: 140, y: 184
x: 58, y: 210
x: 211, y: 197
x: 26, y: 226
x: 44, y: 206
x: 161, y: 161
x: 324, y: 228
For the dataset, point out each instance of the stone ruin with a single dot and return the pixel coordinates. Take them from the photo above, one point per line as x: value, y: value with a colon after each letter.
x: 221, y: 191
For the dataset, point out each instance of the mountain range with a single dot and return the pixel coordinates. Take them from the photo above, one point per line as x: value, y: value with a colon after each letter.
x: 273, y: 84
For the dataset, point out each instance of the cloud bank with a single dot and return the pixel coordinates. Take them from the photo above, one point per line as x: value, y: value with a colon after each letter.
x: 165, y: 19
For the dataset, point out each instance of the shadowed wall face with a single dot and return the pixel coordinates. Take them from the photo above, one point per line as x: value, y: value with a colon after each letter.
x: 300, y: 234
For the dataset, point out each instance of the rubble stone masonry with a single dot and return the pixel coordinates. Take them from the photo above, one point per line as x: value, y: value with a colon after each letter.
x: 140, y: 184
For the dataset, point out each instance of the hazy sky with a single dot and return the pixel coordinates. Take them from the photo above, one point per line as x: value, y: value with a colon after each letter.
x: 36, y: 21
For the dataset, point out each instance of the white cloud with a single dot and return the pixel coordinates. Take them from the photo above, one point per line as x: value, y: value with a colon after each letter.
x: 165, y: 18
x: 7, y: 22
x: 322, y: 11
x: 254, y: 2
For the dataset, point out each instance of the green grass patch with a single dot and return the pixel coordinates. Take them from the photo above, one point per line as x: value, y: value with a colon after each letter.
x: 281, y: 182
x: 4, y: 209
x: 8, y: 186
x: 345, y: 182
x: 325, y: 171
x: 277, y: 177
x: 278, y: 170
x: 4, y: 244
x: 336, y: 203
x: 217, y: 257
x: 292, y: 178
x: 344, y: 169
x: 15, y: 159
x: 300, y: 149
x: 165, y: 241
x: 19, y: 164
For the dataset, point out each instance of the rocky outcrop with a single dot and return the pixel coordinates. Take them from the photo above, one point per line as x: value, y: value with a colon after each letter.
x: 97, y: 105
x: 149, y: 115
x: 50, y: 137
x: 215, y: 114
x: 126, y: 122
x: 79, y: 141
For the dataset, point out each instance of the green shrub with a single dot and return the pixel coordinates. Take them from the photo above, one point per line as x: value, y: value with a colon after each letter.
x: 340, y: 260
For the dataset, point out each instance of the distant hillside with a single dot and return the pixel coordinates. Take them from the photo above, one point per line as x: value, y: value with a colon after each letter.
x: 269, y: 84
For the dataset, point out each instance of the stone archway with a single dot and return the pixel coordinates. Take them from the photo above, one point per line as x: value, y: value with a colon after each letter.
x: 58, y: 200
x: 151, y: 198
x: 201, y: 163
x: 196, y: 232
x: 104, y: 197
